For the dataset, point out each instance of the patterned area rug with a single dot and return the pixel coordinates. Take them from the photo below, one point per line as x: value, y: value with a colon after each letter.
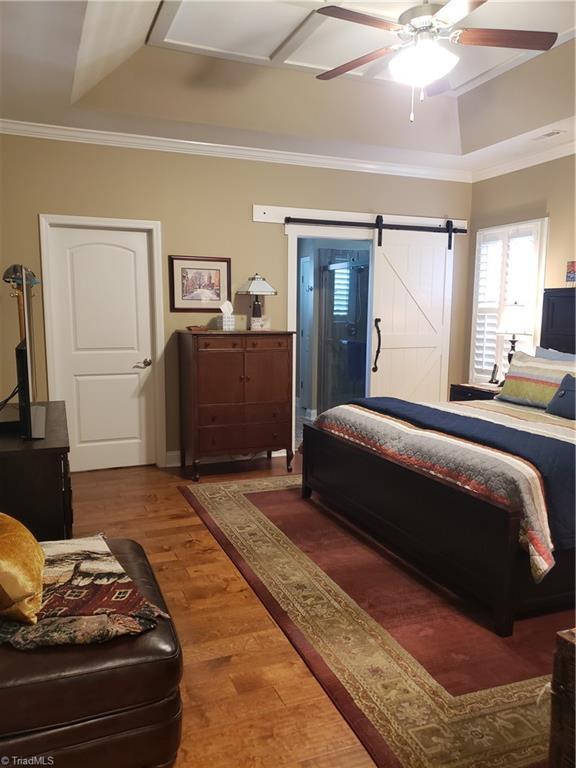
x: 401, y: 712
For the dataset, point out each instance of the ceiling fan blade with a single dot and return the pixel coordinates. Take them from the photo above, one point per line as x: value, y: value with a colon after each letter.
x: 336, y: 12
x: 506, y: 38
x: 437, y: 87
x: 355, y: 63
x: 456, y: 10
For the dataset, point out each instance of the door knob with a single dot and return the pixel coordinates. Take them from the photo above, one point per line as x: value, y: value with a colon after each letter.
x: 146, y: 363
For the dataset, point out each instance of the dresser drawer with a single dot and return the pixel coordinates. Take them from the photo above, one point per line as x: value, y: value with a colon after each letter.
x: 220, y: 439
x: 220, y: 342
x: 257, y: 412
x: 218, y: 415
x: 268, y: 435
x: 267, y: 342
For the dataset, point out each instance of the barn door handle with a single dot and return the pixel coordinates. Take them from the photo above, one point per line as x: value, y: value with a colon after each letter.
x: 377, y: 322
x: 146, y: 363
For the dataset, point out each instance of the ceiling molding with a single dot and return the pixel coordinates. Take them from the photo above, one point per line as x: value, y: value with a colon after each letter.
x: 206, y: 149
x: 135, y: 141
x: 519, y: 164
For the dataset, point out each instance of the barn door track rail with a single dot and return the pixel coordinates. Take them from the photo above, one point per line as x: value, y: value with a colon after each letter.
x: 448, y: 228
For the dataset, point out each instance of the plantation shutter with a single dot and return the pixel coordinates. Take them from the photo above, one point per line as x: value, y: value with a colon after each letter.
x: 341, y: 291
x: 509, y: 270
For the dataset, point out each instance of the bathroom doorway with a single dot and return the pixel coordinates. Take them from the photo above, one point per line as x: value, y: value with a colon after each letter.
x: 333, y: 324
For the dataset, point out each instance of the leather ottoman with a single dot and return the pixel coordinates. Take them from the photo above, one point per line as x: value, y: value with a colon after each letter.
x: 112, y: 704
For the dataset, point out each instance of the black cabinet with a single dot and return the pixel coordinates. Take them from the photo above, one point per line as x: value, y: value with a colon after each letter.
x: 472, y: 392
x: 558, y: 319
x: 35, y: 478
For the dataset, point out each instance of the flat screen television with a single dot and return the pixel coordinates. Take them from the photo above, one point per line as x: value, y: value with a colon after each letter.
x: 30, y: 416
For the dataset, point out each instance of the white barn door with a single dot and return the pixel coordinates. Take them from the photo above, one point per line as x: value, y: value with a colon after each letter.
x: 412, y: 291
x: 101, y: 351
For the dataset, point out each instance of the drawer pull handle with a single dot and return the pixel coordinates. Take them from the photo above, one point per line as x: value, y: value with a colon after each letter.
x: 234, y: 344
x: 206, y: 344
x: 254, y: 343
x: 247, y: 378
x: 275, y: 435
x: 241, y: 378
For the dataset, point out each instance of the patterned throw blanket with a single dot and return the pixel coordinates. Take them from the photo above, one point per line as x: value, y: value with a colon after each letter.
x: 492, y: 450
x: 87, y: 598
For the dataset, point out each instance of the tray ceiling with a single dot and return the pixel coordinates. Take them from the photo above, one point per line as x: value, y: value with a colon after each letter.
x: 290, y: 34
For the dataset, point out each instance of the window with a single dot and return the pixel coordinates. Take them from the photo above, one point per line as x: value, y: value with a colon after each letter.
x: 341, y: 291
x: 509, y: 271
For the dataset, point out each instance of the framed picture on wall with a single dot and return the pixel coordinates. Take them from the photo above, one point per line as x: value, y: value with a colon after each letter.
x: 198, y: 284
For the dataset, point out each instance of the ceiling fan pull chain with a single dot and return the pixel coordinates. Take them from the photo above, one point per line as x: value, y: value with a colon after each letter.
x: 421, y: 95
x: 412, y: 106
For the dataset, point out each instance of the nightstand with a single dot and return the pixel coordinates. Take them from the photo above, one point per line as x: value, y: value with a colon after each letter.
x: 474, y: 391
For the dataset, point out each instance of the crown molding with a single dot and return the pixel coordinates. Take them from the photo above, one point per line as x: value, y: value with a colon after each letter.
x: 182, y: 146
x: 521, y: 163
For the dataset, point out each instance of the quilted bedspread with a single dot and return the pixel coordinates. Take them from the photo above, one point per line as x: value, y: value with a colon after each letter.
x: 514, y: 457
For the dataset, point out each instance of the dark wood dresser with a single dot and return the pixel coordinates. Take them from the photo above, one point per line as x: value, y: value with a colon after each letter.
x: 235, y: 394
x: 35, y: 478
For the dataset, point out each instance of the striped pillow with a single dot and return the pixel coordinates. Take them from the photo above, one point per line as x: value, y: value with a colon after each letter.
x: 534, y: 380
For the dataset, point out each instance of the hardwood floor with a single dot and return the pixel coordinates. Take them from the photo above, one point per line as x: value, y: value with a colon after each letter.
x: 249, y: 699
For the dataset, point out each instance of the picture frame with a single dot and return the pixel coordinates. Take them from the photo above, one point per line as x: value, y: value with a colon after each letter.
x: 199, y: 284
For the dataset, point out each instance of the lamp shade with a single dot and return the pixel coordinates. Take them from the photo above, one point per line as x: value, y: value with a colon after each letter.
x: 257, y: 286
x: 515, y: 321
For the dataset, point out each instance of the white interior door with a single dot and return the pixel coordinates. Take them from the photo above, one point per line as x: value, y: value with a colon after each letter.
x: 100, y: 358
x: 412, y: 291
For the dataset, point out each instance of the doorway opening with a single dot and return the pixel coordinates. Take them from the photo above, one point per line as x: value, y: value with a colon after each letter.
x: 332, y: 324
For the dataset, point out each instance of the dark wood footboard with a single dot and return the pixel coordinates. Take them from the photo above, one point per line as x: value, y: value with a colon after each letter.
x: 455, y: 538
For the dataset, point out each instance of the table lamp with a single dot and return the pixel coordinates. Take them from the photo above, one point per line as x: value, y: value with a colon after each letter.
x: 257, y: 286
x: 514, y: 322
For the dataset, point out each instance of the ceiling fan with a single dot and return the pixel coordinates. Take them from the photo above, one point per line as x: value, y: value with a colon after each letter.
x: 419, y: 60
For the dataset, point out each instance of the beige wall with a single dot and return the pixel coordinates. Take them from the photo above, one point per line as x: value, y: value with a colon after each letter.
x: 543, y: 190
x: 205, y: 209
x: 533, y: 193
x: 272, y: 102
x: 538, y: 92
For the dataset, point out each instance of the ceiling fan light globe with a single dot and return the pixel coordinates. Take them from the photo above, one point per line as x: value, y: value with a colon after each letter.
x: 422, y: 64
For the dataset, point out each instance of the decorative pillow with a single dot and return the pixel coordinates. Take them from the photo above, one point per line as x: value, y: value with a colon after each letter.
x: 564, y: 401
x: 553, y: 354
x: 21, y: 567
x: 533, y: 380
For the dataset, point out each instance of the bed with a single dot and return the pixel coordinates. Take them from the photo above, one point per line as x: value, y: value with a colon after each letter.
x: 466, y: 540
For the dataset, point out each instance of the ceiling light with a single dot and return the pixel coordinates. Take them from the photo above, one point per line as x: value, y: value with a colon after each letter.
x: 420, y: 64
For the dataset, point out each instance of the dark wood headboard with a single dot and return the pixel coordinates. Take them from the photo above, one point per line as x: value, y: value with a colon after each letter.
x: 558, y: 320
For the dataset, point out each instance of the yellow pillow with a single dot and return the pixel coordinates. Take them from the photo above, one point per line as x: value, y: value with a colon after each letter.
x: 21, y: 567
